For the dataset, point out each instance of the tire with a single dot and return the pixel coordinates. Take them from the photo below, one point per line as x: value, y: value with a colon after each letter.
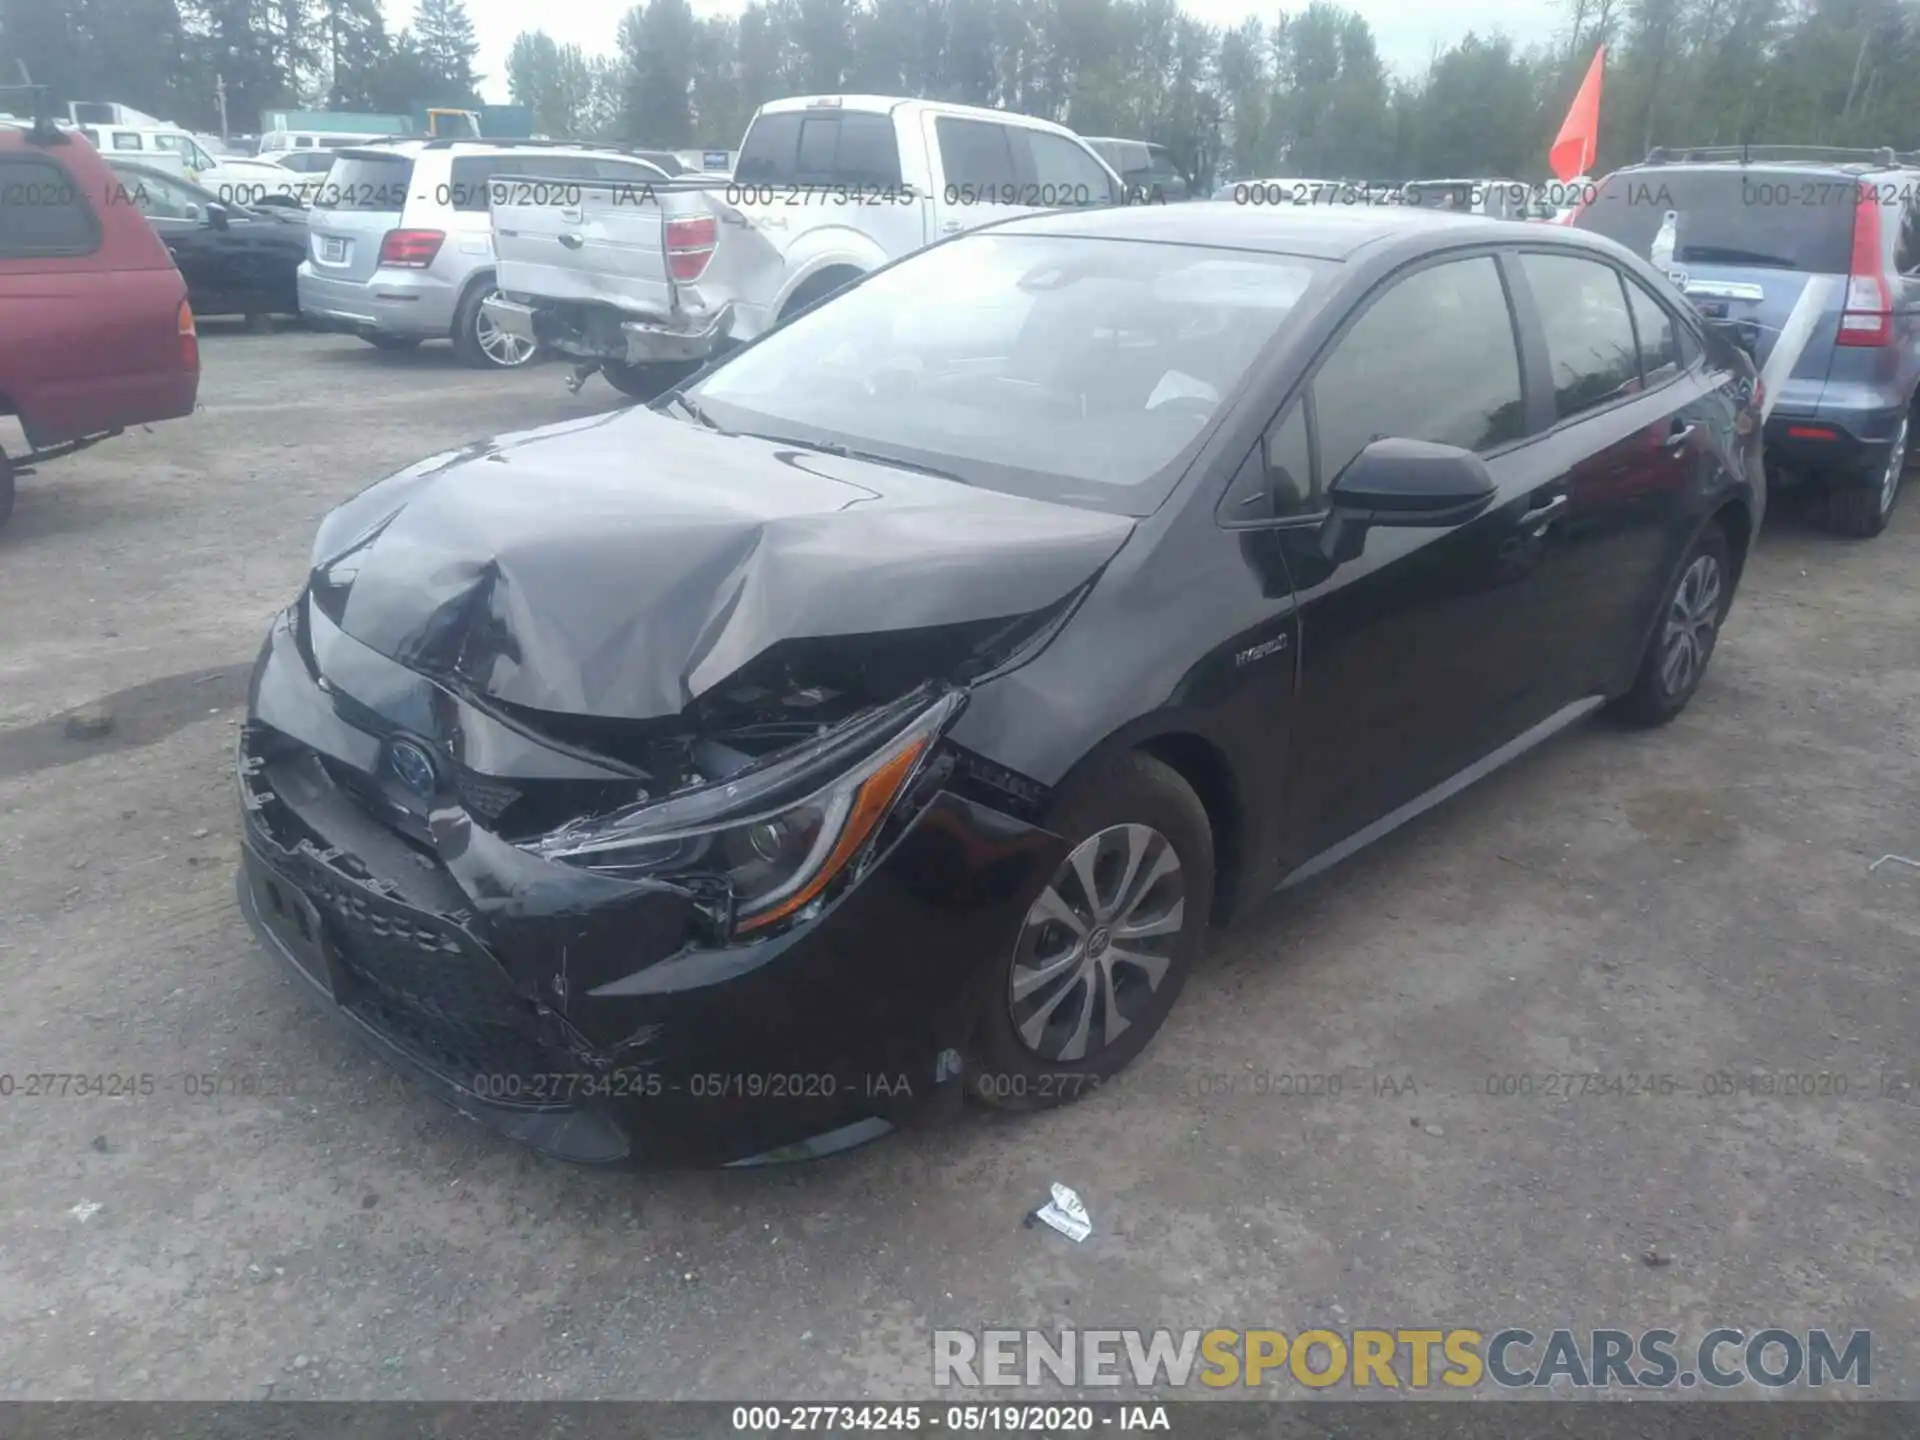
x: 6, y: 489
x: 391, y: 342
x: 1039, y: 986
x: 821, y: 287
x: 1693, y: 608
x: 1862, y: 511
x: 644, y: 382
x: 476, y: 340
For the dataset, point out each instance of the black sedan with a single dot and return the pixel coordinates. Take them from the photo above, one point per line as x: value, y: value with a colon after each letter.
x: 236, y: 260
x: 889, y: 711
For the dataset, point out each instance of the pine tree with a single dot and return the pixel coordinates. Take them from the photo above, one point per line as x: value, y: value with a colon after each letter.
x: 445, y: 36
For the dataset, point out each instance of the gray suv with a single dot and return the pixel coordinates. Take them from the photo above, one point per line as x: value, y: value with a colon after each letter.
x: 400, y: 245
x: 1810, y: 258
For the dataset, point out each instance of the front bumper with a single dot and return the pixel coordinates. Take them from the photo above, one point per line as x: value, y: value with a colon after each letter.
x: 587, y: 335
x: 577, y: 1013
x: 418, y: 304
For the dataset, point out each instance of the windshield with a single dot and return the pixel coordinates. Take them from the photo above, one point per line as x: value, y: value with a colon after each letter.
x: 1060, y: 367
x: 1783, y: 220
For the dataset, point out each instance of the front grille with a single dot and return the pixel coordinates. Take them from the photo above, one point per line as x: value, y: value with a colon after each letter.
x: 430, y: 989
x: 411, y: 971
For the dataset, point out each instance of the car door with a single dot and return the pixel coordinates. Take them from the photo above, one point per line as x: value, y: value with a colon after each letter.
x: 179, y: 217
x: 1628, y: 433
x: 978, y: 179
x: 1413, y: 664
x: 1057, y: 173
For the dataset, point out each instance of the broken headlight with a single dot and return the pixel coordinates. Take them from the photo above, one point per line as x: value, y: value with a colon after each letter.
x: 779, y: 833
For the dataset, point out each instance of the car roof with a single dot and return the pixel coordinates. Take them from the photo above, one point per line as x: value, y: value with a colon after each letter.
x: 1317, y: 232
x: 1836, y: 169
x: 887, y: 104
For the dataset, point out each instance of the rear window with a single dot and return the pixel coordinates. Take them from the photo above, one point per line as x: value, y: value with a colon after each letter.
x: 1778, y: 219
x: 820, y: 148
x: 42, y: 212
x: 369, y: 182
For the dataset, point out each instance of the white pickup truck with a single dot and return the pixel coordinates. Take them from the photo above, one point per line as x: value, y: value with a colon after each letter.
x: 646, y: 283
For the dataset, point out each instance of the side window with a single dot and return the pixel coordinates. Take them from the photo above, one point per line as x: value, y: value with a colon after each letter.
x: 1290, y: 465
x: 1065, y: 174
x: 42, y: 212
x: 157, y: 199
x: 974, y: 152
x: 1590, y: 343
x: 126, y: 140
x: 1906, y: 252
x: 1433, y: 358
x: 1659, y: 336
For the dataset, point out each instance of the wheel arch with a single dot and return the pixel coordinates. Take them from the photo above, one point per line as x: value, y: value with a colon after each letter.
x: 841, y: 269
x: 1183, y: 746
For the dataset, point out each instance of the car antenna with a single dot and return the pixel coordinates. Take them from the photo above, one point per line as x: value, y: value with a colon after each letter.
x: 44, y: 131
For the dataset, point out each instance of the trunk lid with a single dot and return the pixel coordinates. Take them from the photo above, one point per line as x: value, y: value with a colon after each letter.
x: 622, y: 566
x: 610, y: 248
x: 364, y: 195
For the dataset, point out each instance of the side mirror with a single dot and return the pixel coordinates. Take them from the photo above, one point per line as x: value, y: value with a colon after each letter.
x: 217, y: 216
x: 1403, y: 484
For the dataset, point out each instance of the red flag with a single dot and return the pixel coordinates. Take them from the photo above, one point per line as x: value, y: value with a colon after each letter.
x: 1575, y: 147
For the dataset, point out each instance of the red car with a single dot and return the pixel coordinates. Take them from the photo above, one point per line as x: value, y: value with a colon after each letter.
x: 99, y: 335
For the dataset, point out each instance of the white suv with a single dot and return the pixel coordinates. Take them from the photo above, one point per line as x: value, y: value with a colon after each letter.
x: 400, y: 248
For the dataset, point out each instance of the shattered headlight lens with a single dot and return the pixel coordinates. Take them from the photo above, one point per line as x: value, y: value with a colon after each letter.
x: 778, y: 834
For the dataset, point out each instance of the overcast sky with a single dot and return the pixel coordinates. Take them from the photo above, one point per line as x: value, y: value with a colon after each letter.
x: 1409, y: 31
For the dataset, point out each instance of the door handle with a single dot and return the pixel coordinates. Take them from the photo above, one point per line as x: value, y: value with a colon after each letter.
x: 572, y: 242
x: 950, y: 227
x: 1540, y: 517
x: 1679, y: 437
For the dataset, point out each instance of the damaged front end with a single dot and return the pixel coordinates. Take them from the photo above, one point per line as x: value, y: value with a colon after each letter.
x: 756, y: 929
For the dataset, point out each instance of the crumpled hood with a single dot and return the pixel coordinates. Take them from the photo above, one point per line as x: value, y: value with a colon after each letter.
x: 624, y: 565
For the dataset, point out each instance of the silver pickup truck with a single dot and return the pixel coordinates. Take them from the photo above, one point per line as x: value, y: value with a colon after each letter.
x: 645, y: 283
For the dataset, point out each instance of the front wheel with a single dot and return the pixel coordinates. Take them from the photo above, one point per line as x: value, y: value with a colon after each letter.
x: 1683, y: 642
x: 482, y: 343
x: 1103, y: 953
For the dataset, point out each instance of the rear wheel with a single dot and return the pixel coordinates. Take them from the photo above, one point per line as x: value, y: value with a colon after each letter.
x: 483, y: 344
x: 6, y: 489
x: 1682, y: 644
x: 1862, y: 511
x: 644, y: 382
x: 1104, y: 952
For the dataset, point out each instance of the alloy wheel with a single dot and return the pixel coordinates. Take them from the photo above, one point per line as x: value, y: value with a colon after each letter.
x: 1693, y: 617
x: 1896, y: 464
x: 497, y: 345
x: 1097, y: 943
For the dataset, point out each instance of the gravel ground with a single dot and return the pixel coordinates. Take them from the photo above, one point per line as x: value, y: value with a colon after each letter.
x: 1689, y: 903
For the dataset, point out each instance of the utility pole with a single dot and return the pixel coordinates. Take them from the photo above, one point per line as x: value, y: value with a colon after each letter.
x: 220, y: 94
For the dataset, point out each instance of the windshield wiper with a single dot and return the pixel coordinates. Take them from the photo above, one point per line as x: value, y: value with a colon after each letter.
x: 847, y: 452
x: 1731, y: 255
x: 692, y: 407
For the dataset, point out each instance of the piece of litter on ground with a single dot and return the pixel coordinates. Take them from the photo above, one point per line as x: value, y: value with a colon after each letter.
x: 1065, y: 1213
x: 1900, y: 858
x: 85, y: 1210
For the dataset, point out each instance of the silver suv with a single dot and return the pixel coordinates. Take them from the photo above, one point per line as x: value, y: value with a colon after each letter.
x: 400, y: 245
